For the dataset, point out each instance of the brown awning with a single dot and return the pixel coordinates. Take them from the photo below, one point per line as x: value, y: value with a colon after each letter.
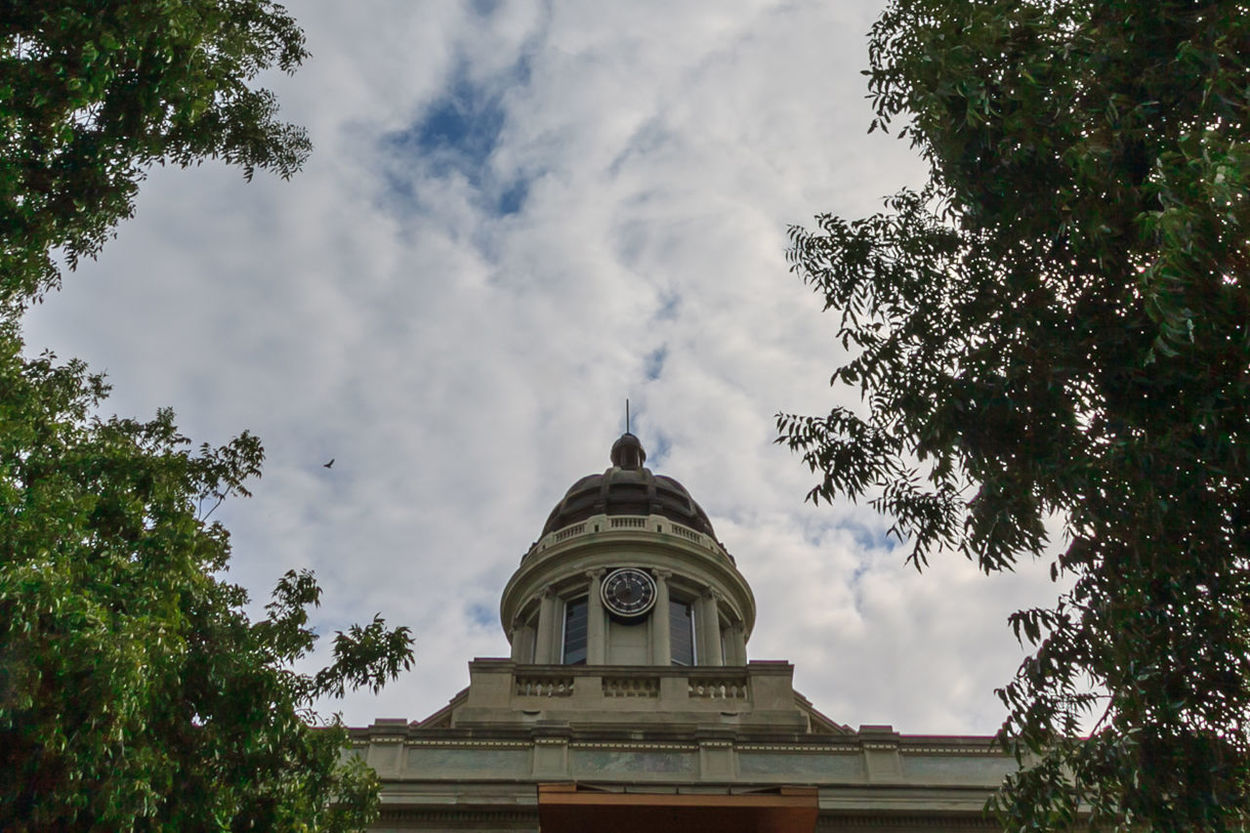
x: 566, y: 808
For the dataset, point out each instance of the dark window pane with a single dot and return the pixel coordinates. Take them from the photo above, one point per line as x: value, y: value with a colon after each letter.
x: 575, y: 632
x: 681, y: 633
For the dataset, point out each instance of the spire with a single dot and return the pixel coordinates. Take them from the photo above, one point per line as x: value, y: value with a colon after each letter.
x: 627, y: 452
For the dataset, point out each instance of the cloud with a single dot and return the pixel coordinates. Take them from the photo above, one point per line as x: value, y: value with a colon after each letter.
x: 517, y: 215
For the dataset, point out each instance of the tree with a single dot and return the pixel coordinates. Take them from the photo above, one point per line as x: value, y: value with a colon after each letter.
x: 135, y: 694
x: 1058, y: 323
x: 93, y: 92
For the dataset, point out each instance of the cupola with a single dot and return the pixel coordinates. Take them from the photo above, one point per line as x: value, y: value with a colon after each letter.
x: 627, y: 488
x: 627, y: 571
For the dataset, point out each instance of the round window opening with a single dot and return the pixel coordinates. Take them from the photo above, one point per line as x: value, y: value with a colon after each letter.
x: 628, y: 592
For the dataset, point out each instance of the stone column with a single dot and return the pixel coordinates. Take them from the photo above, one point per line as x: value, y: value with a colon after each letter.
x: 738, y: 639
x: 522, y: 642
x: 547, y: 649
x: 708, y: 629
x: 661, y: 634
x: 596, y: 636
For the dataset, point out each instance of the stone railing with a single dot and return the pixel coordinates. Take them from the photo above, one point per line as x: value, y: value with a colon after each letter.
x: 543, y: 685
x: 688, y: 533
x: 628, y: 523
x: 631, y: 686
x: 568, y: 532
x: 722, y: 688
x: 503, y: 693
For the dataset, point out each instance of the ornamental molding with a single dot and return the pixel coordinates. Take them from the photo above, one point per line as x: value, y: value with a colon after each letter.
x: 952, y: 750
x: 472, y: 744
x: 643, y: 746
x: 635, y: 746
x: 806, y: 750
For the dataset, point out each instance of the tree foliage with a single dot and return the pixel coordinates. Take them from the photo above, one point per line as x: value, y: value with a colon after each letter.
x: 135, y: 693
x: 1058, y: 323
x: 94, y: 92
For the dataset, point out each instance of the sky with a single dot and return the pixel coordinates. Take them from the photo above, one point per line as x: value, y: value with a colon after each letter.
x: 516, y: 216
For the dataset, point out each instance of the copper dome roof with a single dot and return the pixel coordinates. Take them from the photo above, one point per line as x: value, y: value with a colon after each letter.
x: 628, y: 488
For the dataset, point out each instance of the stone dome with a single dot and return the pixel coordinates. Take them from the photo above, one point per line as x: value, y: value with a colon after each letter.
x: 628, y: 488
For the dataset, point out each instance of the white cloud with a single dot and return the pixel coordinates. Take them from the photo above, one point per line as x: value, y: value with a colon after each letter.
x: 465, y: 367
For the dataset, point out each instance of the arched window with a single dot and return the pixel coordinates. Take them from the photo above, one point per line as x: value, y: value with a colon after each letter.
x: 575, y: 632
x: 681, y: 632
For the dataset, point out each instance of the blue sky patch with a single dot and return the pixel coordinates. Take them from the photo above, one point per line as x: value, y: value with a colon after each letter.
x: 869, y: 537
x: 462, y: 127
x: 457, y: 134
x: 658, y: 452
x: 669, y: 302
x: 513, y: 197
x: 653, y: 365
x: 481, y: 615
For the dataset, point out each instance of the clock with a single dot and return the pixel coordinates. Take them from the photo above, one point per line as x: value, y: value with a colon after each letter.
x: 628, y: 592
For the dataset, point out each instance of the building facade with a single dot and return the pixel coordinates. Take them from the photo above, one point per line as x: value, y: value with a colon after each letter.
x: 629, y: 702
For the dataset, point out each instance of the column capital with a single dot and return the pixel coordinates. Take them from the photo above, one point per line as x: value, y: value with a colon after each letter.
x: 660, y: 574
x: 596, y: 573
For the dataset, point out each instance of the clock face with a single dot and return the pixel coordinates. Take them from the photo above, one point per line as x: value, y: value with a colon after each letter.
x: 628, y: 592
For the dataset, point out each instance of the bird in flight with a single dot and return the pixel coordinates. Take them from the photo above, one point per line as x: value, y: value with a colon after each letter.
x: 329, y: 464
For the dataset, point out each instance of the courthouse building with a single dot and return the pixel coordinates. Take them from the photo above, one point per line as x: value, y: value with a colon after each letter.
x: 629, y: 702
